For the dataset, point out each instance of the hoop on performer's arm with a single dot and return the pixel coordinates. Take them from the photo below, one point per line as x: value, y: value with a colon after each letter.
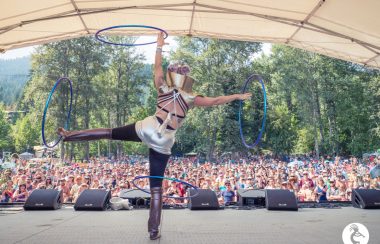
x: 244, y: 89
x: 48, y: 101
x: 99, y: 36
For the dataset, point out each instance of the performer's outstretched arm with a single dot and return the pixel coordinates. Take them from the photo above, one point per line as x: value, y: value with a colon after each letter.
x: 211, y: 101
x: 158, y: 71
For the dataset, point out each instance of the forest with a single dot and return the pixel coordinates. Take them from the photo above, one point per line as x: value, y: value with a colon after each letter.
x: 315, y: 104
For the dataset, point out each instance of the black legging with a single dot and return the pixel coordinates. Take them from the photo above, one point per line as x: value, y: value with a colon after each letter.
x: 157, y: 161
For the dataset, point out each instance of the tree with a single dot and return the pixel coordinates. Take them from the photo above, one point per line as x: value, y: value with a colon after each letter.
x: 108, y: 84
x: 220, y: 67
x: 5, y: 131
x: 26, y: 133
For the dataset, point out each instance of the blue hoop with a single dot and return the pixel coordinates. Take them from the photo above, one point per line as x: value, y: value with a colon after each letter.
x: 47, y: 106
x: 165, y: 178
x: 260, y: 79
x: 97, y: 34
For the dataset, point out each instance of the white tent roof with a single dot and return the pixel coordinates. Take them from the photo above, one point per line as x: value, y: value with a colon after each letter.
x: 345, y: 29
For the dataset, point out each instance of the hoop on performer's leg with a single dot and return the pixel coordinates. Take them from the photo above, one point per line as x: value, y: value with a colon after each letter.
x: 165, y: 178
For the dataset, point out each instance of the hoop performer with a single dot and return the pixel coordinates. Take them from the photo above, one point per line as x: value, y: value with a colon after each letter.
x: 175, y: 99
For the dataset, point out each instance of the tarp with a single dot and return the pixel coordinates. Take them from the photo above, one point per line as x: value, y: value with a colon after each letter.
x: 345, y: 29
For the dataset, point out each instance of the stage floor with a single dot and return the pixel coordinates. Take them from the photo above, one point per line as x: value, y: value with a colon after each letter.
x: 181, y: 226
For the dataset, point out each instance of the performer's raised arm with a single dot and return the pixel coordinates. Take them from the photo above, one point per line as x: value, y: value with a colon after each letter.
x: 158, y: 71
x: 211, y: 101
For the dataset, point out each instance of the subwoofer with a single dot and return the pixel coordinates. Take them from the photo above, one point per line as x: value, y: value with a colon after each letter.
x: 205, y: 200
x: 366, y: 198
x: 280, y: 200
x: 44, y: 199
x: 250, y: 197
x: 94, y: 199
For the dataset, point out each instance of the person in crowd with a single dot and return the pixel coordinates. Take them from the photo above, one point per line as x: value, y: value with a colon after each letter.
x: 305, y: 179
x: 70, y: 181
x: 271, y: 184
x: 65, y: 189
x: 49, y: 183
x: 333, y: 194
x: 95, y: 184
x: 21, y: 194
x: 82, y: 187
x: 306, y: 193
x: 75, y: 188
x: 6, y: 195
x: 320, y: 190
x: 228, y: 194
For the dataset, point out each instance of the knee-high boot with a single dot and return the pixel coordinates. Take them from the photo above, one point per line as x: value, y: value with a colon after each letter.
x: 155, y: 212
x: 85, y: 135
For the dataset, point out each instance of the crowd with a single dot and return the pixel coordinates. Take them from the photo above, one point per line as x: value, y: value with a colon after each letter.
x: 310, y: 180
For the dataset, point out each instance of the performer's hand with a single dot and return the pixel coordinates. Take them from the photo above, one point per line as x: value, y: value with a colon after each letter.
x: 160, y: 40
x: 244, y: 96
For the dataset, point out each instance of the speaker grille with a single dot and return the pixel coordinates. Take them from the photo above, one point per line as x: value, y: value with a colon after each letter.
x: 281, y: 200
x: 95, y: 199
x: 205, y: 200
x: 44, y: 199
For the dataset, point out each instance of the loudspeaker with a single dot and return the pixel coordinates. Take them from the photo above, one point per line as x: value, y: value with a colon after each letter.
x: 94, y: 199
x: 205, y: 200
x: 136, y: 197
x: 44, y: 199
x: 366, y: 198
x: 250, y: 197
x: 280, y: 200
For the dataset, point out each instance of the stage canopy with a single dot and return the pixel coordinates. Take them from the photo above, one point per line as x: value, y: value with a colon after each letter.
x: 344, y: 29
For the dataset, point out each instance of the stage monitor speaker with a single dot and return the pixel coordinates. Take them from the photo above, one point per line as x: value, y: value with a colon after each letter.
x: 280, y: 200
x: 44, y: 199
x: 94, y: 199
x: 136, y: 197
x: 366, y: 198
x: 205, y: 200
x: 251, y: 197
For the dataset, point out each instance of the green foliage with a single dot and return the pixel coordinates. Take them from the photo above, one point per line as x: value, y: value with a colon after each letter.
x: 13, y: 75
x: 220, y: 68
x: 335, y: 102
x: 5, y: 131
x: 26, y: 133
x: 315, y: 103
x: 282, y: 124
x: 108, y: 82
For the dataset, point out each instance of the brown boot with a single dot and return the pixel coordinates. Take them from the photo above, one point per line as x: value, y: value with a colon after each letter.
x: 85, y: 135
x: 155, y: 213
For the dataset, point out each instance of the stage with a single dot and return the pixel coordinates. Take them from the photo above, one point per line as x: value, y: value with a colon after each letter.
x: 260, y: 226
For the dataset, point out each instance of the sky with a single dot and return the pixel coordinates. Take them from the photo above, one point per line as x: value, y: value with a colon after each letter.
x: 148, y: 50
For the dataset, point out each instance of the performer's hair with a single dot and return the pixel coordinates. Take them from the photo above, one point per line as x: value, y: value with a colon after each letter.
x: 179, y: 67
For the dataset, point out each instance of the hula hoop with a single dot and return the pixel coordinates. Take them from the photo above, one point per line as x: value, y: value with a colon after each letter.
x: 165, y: 178
x: 260, y: 79
x: 47, y: 106
x: 97, y: 35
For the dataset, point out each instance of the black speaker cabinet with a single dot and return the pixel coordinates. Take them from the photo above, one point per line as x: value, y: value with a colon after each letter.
x: 366, y: 198
x: 280, y: 200
x: 44, y: 199
x: 205, y: 200
x: 94, y: 199
x: 136, y: 197
x: 250, y: 197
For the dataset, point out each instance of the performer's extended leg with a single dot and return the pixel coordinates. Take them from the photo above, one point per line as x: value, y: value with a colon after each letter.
x: 124, y: 133
x: 157, y: 163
